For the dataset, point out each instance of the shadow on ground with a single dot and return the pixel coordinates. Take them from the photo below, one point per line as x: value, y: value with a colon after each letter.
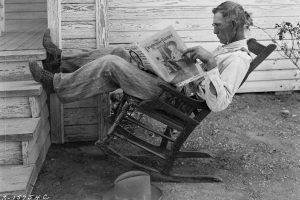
x: 256, y: 143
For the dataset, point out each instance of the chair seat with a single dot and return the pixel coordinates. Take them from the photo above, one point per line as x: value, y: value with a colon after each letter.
x: 166, y: 113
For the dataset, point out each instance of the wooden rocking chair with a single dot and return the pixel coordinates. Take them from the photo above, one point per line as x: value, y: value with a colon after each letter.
x: 179, y: 113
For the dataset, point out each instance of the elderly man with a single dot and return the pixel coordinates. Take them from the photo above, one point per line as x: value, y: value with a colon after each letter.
x: 226, y: 67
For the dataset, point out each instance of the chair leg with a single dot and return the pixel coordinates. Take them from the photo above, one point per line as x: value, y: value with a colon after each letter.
x: 174, y: 150
x: 119, y: 107
x: 164, y: 141
x: 121, y: 114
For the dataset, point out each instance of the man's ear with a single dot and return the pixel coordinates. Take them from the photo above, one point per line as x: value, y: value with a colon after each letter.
x: 234, y: 24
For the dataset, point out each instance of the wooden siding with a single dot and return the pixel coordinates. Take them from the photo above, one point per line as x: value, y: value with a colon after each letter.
x: 133, y: 20
x: 81, y: 120
x: 79, y: 25
x: 78, y: 121
x: 90, y: 24
x: 88, y: 31
x: 74, y: 28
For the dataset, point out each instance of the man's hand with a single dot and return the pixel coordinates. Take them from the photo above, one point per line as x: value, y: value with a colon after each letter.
x: 198, y: 52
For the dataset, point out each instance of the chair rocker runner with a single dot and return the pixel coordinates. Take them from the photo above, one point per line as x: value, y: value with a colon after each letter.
x: 177, y: 112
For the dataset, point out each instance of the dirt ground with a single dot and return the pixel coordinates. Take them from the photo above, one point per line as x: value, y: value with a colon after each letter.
x: 256, y: 143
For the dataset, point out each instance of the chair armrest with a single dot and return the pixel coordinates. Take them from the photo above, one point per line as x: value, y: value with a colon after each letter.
x: 192, y: 102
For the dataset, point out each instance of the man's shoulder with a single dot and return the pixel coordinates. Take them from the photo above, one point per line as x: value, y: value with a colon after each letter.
x: 242, y: 53
x: 236, y: 55
x: 240, y: 59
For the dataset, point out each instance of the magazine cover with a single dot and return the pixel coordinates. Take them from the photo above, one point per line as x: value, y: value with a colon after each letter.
x: 162, y: 55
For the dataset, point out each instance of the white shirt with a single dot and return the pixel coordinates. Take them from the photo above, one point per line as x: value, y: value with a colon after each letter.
x: 233, y: 61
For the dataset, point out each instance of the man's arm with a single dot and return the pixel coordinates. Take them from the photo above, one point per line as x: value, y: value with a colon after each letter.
x: 220, y: 88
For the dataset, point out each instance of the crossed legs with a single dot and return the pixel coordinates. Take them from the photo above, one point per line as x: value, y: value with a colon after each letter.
x: 105, y: 74
x: 94, y: 73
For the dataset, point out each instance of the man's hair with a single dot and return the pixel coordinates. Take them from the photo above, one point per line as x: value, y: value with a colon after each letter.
x: 232, y: 11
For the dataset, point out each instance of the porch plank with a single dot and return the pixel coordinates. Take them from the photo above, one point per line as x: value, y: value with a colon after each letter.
x: 28, y: 7
x: 15, y: 25
x: 10, y: 153
x: 21, y: 41
x: 27, y: 15
x: 15, y: 42
x: 22, y: 55
x: 14, y: 107
x: 20, y: 88
x: 18, y: 129
x: 35, y: 41
x: 4, y: 39
x: 15, y: 178
x: 34, y: 147
x: 26, y: 1
x: 15, y: 71
x: 19, y: 179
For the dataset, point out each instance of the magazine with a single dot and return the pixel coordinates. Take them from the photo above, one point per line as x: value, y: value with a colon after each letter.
x: 162, y: 53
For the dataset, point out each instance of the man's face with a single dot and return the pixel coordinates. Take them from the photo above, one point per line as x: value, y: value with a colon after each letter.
x: 171, y: 47
x: 222, y: 28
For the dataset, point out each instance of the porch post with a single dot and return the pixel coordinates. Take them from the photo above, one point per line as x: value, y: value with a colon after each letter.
x: 56, y: 108
x: 54, y: 20
x: 102, y: 41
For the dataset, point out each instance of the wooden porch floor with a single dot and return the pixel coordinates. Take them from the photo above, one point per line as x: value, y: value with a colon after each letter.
x: 23, y: 35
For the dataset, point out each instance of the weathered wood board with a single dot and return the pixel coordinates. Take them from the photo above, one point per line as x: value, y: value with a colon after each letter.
x: 18, y: 179
x: 81, y: 116
x: 18, y: 129
x: 13, y: 71
x: 80, y: 120
x: 10, y: 153
x: 20, y: 88
x: 56, y: 115
x: 26, y: 7
x: 81, y: 133
x: 32, y: 149
x: 14, y: 107
x: 21, y: 10
x: 90, y: 102
x: 26, y: 15
x: 22, y: 55
x: 17, y: 152
x: 16, y: 176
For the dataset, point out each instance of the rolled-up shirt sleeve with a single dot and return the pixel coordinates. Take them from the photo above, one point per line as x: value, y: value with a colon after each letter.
x: 227, y: 83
